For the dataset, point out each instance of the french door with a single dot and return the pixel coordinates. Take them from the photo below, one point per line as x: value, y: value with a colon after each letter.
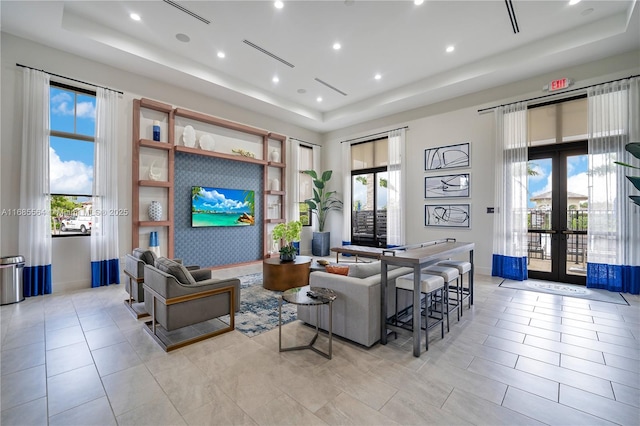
x: 557, y: 212
x: 369, y: 207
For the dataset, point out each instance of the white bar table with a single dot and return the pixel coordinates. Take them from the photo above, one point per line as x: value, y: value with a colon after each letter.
x: 418, y: 257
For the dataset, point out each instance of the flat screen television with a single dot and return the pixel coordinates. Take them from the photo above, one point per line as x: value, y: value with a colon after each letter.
x: 221, y: 207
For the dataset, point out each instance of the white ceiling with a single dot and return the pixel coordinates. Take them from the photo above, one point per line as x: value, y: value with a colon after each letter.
x: 402, y: 42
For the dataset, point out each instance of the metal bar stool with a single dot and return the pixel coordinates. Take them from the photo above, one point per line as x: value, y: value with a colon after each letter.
x: 449, y: 275
x: 464, y: 267
x: 430, y: 286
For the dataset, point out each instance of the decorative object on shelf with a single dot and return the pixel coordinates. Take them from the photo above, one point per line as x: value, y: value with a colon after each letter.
x: 189, y: 136
x: 154, y: 245
x: 275, y: 184
x: 243, y: 152
x: 155, y: 211
x: 207, y: 142
x: 288, y: 232
x: 323, y: 202
x: 153, y: 174
x: 275, y: 156
x: 156, y: 131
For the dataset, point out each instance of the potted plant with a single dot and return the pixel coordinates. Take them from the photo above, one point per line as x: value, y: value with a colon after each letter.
x: 321, y: 204
x: 288, y: 232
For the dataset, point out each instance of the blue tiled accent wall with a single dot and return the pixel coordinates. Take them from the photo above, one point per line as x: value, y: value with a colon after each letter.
x: 215, y: 246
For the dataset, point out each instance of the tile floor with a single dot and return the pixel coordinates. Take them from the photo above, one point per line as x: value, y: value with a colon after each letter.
x: 516, y: 358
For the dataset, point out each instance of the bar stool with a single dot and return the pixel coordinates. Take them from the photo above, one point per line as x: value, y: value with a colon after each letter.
x: 449, y: 274
x: 464, y: 267
x: 430, y: 286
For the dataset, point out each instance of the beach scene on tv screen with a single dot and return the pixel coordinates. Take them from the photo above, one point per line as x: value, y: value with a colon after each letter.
x: 221, y: 207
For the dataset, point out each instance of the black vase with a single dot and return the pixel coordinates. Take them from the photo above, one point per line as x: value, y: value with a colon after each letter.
x: 320, y: 243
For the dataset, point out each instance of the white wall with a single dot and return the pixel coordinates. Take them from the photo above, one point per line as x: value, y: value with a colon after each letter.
x: 71, y: 255
x: 457, y: 121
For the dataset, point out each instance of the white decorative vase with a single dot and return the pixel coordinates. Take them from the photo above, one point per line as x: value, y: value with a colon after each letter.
x: 155, y: 211
x: 275, y: 156
x: 275, y: 185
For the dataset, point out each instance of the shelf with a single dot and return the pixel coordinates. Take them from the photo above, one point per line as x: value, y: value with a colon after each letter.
x: 155, y: 145
x: 270, y: 192
x: 181, y: 112
x: 233, y: 157
x: 150, y: 223
x: 155, y: 105
x: 155, y: 183
x: 280, y: 165
x: 275, y: 220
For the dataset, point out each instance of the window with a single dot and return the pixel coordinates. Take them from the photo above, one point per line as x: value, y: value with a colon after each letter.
x: 305, y: 190
x: 558, y: 122
x: 72, y: 118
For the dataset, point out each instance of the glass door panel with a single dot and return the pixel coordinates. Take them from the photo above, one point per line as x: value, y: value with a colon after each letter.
x: 540, y: 206
x: 362, y: 214
x: 575, y: 232
x: 381, y: 209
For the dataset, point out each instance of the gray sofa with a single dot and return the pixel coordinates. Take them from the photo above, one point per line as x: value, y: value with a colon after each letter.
x: 356, y: 310
x: 181, y: 295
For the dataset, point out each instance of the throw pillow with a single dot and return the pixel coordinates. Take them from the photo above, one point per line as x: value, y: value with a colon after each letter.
x: 147, y: 256
x: 338, y: 269
x: 364, y: 270
x: 176, y: 269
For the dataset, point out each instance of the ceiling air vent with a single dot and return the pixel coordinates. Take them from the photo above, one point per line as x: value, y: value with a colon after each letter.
x: 266, y: 52
x: 330, y: 86
x: 187, y: 11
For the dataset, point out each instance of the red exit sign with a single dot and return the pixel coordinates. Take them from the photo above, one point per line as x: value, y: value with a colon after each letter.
x: 559, y: 84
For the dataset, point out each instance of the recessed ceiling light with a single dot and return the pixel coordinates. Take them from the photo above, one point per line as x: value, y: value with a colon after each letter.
x: 319, y: 99
x: 301, y: 91
x: 134, y: 16
x: 278, y: 4
x: 183, y: 37
x: 337, y: 46
x: 587, y: 12
x: 418, y: 2
x: 275, y: 79
x: 221, y: 55
x: 450, y: 49
x: 377, y: 77
x: 573, y: 2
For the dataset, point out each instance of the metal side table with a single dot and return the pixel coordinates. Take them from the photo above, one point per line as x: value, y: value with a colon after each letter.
x: 308, y: 296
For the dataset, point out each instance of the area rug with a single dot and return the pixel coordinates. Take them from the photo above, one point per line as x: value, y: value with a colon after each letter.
x: 569, y: 290
x: 259, y: 307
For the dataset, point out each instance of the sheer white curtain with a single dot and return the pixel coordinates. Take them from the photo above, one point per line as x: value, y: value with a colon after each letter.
x: 396, y: 171
x: 34, y: 226
x: 346, y: 192
x: 613, y: 252
x: 510, y: 216
x: 293, y: 194
x: 105, y: 267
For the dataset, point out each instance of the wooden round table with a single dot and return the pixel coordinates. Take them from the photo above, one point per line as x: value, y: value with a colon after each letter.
x: 281, y: 276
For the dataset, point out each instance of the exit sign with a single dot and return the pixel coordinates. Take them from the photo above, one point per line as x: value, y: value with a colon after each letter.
x: 559, y: 84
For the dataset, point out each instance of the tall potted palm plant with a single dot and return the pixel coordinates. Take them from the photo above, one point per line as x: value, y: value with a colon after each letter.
x: 321, y: 204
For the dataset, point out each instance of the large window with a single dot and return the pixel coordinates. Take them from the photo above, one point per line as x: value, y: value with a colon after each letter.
x: 305, y: 189
x: 73, y: 126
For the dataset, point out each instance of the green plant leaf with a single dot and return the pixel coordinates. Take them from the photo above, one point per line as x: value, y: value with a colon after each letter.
x: 633, y: 148
x: 326, y: 175
x: 620, y: 163
x: 635, y: 180
x: 635, y: 199
x: 311, y: 173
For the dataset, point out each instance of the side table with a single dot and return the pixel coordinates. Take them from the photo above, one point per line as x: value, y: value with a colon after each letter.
x: 299, y: 296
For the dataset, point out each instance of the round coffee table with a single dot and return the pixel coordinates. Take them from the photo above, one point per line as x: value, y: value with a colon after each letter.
x: 281, y: 276
x: 308, y: 296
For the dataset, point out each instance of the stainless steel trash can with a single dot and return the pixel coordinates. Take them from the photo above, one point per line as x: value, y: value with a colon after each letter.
x: 11, y: 268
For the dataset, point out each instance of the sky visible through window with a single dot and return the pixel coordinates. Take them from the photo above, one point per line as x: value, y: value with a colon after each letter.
x: 71, y: 160
x: 576, y: 177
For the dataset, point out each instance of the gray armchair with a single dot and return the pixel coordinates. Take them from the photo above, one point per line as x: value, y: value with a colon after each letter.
x: 177, y: 298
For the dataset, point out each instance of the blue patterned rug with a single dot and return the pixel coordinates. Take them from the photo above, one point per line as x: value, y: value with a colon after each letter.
x: 259, y: 307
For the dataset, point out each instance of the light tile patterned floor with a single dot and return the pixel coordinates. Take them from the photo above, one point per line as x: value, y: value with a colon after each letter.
x: 515, y: 358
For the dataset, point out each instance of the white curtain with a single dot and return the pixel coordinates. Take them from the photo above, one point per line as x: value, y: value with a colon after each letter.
x: 396, y: 171
x: 105, y: 267
x: 613, y: 252
x: 346, y: 193
x: 34, y: 226
x: 293, y: 194
x: 510, y: 215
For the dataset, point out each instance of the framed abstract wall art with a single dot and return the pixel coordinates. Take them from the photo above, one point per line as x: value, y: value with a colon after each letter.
x: 446, y: 186
x: 447, y: 215
x: 447, y: 157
